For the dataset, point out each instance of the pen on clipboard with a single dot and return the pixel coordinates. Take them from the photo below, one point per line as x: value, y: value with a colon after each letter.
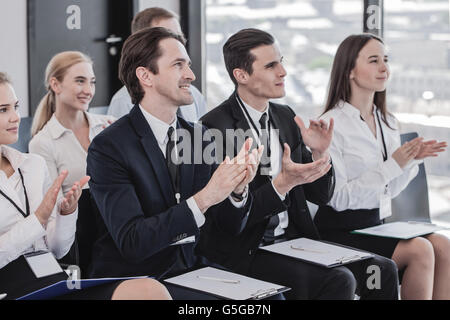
x: 424, y: 223
x: 219, y: 279
x: 307, y: 250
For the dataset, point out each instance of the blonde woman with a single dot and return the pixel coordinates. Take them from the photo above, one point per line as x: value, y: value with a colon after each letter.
x: 62, y: 131
x: 34, y: 218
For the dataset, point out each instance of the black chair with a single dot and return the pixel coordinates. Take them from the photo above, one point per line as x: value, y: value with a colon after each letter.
x: 412, y: 203
x: 24, y: 135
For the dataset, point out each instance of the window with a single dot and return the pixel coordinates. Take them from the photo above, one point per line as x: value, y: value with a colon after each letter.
x: 417, y: 33
x: 308, y: 32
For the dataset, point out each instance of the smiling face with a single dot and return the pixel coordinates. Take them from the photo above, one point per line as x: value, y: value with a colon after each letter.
x: 267, y: 78
x: 9, y: 116
x: 172, y: 82
x: 77, y: 88
x: 371, y: 70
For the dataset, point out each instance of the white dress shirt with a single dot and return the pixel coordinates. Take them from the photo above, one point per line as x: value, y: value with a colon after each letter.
x: 160, y: 129
x: 361, y: 172
x: 276, y: 157
x: 61, y: 149
x: 20, y: 235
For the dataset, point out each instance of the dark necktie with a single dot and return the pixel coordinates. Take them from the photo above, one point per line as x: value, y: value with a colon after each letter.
x: 265, y: 169
x: 265, y: 141
x: 171, y: 165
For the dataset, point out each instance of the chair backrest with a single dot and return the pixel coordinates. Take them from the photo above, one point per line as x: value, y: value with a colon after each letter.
x: 412, y: 203
x: 24, y: 135
x: 99, y: 110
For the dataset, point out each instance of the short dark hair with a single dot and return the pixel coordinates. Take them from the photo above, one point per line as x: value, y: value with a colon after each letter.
x: 142, y: 49
x: 4, y: 78
x: 236, y: 51
x: 146, y: 17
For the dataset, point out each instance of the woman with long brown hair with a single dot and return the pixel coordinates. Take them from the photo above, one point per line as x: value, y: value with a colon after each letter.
x: 372, y: 167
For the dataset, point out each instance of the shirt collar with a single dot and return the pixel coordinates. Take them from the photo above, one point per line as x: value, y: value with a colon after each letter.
x: 255, y: 115
x: 352, y: 111
x: 15, y: 158
x: 56, y: 129
x: 159, y: 127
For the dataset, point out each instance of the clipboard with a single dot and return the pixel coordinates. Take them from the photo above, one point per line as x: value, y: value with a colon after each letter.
x: 63, y: 287
x: 320, y: 253
x: 401, y: 229
x: 226, y: 285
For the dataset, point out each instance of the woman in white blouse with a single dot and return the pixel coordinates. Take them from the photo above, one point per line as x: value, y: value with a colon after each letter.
x: 371, y: 168
x: 62, y: 131
x: 34, y: 217
x: 62, y: 128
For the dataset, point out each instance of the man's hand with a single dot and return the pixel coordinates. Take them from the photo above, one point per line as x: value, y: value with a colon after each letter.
x: 251, y: 159
x: 293, y: 174
x: 317, y: 137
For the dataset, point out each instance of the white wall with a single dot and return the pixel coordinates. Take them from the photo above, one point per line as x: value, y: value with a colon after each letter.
x: 13, y: 53
x: 13, y: 39
x: 173, y: 5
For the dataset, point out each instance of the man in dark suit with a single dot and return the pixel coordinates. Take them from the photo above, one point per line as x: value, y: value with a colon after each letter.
x: 150, y: 202
x: 285, y: 179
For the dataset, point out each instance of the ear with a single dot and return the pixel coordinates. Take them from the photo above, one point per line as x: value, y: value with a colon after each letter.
x: 144, y: 76
x: 352, y: 75
x: 55, y: 85
x: 241, y: 76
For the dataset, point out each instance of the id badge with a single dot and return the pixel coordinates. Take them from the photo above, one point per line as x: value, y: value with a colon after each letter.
x: 43, y: 263
x: 385, y: 204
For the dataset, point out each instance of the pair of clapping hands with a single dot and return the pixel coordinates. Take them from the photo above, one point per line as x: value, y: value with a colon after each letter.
x: 232, y: 176
x: 67, y: 205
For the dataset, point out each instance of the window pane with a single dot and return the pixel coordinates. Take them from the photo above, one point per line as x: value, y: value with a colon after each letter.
x: 308, y: 32
x: 418, y: 36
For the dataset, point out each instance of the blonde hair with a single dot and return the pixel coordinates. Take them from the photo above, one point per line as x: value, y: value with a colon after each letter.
x: 56, y: 68
x: 4, y: 78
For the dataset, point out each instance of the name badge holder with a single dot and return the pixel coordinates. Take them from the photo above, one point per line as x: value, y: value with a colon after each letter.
x: 42, y: 263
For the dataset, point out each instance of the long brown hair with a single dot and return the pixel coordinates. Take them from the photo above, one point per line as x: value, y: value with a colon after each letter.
x: 344, y: 62
x: 56, y: 68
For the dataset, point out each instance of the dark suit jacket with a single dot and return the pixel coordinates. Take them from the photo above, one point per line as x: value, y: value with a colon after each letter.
x: 235, y: 252
x: 131, y: 186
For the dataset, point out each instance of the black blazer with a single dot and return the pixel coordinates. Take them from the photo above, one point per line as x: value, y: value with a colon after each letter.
x: 236, y: 252
x: 131, y: 186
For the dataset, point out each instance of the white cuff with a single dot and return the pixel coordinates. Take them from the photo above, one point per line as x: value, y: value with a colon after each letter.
x: 282, y: 197
x: 391, y: 170
x: 198, y: 215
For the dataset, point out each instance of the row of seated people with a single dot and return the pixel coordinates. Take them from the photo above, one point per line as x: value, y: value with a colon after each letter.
x: 143, y: 202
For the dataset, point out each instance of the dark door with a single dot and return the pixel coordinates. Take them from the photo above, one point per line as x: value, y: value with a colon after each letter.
x: 95, y: 27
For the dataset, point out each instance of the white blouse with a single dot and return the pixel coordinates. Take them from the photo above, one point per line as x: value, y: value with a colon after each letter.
x: 61, y: 149
x: 357, y: 155
x: 20, y: 235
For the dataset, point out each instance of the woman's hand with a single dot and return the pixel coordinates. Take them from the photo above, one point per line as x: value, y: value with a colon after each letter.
x: 70, y: 202
x: 407, y: 151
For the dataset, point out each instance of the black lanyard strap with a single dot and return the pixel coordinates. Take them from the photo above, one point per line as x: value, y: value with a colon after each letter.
x: 385, y: 155
x: 254, y: 126
x: 27, y: 203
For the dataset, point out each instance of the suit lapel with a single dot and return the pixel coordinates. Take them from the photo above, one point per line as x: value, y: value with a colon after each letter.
x: 153, y: 153
x: 186, y: 171
x: 277, y: 123
x: 241, y: 123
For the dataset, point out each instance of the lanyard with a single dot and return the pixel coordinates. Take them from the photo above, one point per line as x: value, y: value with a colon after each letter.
x: 241, y: 104
x: 25, y: 214
x: 382, y: 138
